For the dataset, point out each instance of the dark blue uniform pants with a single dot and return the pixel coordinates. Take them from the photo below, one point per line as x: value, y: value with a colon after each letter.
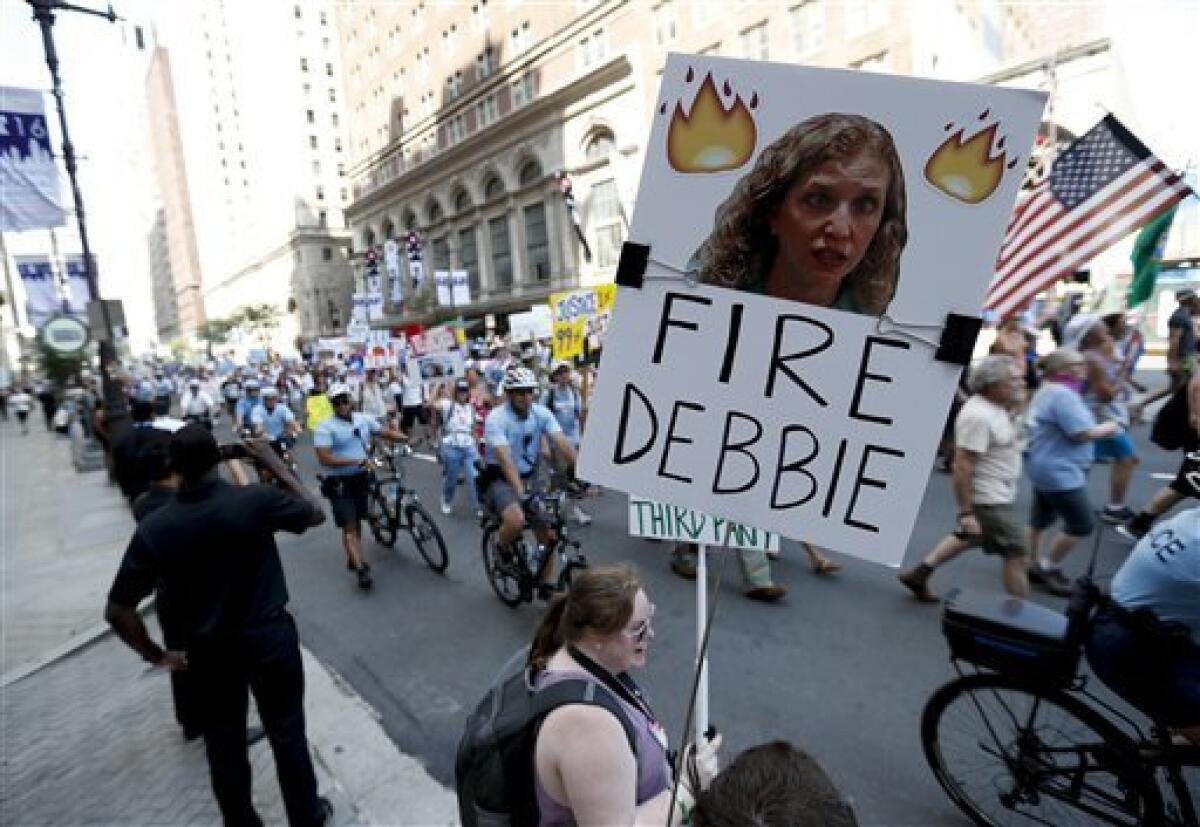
x: 264, y: 660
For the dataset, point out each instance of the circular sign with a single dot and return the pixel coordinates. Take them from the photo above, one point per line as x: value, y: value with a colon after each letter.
x: 64, y: 334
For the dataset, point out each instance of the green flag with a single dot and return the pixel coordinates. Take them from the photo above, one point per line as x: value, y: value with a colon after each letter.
x: 1147, y: 257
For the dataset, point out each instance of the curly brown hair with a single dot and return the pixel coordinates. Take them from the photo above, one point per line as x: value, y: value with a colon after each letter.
x: 741, y: 249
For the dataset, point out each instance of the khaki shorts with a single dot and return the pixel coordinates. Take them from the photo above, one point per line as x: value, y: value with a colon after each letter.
x: 1003, y: 531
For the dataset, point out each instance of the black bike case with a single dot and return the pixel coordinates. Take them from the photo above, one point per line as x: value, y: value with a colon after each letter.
x: 1009, y: 635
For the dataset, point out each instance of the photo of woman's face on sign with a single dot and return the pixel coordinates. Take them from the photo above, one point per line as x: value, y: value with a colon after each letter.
x: 820, y: 219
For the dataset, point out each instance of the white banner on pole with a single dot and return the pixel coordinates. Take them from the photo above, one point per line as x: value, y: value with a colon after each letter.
x: 441, y: 281
x: 42, y: 298
x: 460, y: 288
x: 28, y: 172
x: 374, y: 306
x: 78, y: 292
x: 391, y: 264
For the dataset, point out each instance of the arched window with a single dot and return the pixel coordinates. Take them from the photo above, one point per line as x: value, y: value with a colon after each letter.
x: 434, y: 210
x: 462, y: 201
x: 410, y: 220
x: 531, y: 173
x: 493, y: 188
x: 368, y: 238
x: 389, y: 229
x: 599, y: 145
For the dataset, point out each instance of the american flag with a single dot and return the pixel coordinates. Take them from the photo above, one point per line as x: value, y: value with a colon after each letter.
x: 1100, y: 188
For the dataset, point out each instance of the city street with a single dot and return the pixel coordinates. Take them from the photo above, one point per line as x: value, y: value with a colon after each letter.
x: 842, y: 666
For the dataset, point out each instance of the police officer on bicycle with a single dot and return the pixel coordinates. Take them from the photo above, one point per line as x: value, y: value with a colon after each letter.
x: 272, y: 420
x: 342, y: 444
x: 512, y: 436
x: 244, y: 410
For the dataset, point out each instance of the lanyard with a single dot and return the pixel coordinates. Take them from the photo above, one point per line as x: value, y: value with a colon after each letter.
x: 621, y: 684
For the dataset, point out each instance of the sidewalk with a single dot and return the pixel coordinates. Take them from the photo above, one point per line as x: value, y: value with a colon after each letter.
x: 87, y: 731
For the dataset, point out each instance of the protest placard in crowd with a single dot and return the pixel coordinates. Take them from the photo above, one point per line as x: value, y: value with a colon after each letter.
x: 577, y: 313
x: 809, y: 232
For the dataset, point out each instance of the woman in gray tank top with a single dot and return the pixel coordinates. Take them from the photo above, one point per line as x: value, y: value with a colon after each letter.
x: 585, y: 772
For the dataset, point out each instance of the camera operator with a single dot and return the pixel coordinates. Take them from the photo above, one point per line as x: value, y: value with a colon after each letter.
x: 212, y: 555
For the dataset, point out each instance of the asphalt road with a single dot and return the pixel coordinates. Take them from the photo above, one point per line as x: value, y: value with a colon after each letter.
x: 842, y: 666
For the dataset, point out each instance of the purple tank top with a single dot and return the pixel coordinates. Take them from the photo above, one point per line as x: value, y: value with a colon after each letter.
x: 654, y: 773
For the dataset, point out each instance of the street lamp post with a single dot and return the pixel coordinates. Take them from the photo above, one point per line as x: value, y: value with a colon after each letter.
x: 115, y: 411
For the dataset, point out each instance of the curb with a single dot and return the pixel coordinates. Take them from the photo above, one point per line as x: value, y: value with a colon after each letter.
x: 76, y: 643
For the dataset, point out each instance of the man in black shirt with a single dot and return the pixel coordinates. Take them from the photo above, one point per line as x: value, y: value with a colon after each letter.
x: 211, y: 553
x: 130, y: 451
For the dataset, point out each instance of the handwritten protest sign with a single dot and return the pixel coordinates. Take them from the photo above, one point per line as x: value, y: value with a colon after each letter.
x: 576, y: 313
x: 794, y: 386
x: 438, y: 339
x: 660, y: 521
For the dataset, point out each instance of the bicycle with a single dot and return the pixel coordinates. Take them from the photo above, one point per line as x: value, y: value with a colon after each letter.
x: 392, y: 506
x: 1021, y: 739
x: 516, y: 577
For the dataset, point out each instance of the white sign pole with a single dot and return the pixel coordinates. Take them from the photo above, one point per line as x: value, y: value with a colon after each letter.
x: 700, y: 712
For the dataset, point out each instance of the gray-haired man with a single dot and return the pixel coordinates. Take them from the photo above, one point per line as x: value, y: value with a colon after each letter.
x: 986, y: 467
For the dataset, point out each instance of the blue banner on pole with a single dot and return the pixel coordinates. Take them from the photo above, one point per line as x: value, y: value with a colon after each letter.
x: 28, y: 172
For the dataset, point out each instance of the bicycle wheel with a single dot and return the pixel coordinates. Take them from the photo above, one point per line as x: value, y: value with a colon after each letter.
x: 382, y: 526
x: 427, y: 536
x: 1008, y: 753
x: 503, y: 576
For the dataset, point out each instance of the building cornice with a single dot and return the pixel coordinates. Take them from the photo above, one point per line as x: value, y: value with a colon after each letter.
x: 530, y: 115
x: 1095, y: 47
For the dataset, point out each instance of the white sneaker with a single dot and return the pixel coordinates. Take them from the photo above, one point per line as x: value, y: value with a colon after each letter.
x: 580, y: 516
x: 446, y: 509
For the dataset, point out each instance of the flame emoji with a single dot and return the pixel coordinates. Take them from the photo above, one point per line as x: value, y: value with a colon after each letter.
x: 967, y: 170
x: 711, y: 138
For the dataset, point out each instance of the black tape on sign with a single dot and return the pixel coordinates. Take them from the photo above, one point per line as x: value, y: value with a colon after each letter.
x: 958, y: 339
x: 631, y: 269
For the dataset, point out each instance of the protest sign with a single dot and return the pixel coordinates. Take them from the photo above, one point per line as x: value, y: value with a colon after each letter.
x: 380, y: 350
x: 830, y: 220
x: 660, y: 521
x: 438, y: 339
x: 576, y: 314
x: 537, y: 323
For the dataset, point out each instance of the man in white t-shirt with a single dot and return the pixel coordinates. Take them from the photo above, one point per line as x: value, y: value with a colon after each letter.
x: 986, y: 468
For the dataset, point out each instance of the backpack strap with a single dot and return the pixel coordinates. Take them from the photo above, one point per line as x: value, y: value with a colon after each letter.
x: 582, y: 691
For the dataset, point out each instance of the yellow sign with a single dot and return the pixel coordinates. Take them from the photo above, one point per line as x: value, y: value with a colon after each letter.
x: 572, y: 311
x: 318, y: 409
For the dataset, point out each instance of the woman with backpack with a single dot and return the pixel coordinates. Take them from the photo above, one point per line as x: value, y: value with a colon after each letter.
x: 585, y: 771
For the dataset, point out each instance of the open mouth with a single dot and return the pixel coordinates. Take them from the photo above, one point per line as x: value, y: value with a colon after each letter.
x: 829, y: 258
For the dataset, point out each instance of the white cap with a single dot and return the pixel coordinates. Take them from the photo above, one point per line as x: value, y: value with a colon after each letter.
x: 270, y: 391
x: 337, y: 390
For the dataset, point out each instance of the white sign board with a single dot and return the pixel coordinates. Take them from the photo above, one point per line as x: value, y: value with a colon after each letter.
x: 814, y: 208
x: 438, y: 339
x: 660, y: 521
x: 537, y: 323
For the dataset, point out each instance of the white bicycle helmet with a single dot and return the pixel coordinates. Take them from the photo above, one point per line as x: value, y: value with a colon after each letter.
x: 270, y: 391
x: 518, y: 378
x: 336, y: 390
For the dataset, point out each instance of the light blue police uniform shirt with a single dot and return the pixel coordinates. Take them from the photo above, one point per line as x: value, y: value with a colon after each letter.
x: 1055, y: 462
x: 523, y: 437
x: 273, y: 422
x: 1162, y: 573
x: 243, y: 412
x: 339, y: 436
x: 565, y: 405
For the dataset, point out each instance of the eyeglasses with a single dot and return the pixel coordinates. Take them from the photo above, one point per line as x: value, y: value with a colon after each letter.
x: 642, y: 629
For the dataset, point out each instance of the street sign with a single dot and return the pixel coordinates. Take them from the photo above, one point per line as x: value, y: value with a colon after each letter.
x: 95, y: 317
x: 65, y: 335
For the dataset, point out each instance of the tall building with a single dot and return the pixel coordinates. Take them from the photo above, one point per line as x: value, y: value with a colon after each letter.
x: 462, y: 115
x: 174, y: 259
x: 260, y: 95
